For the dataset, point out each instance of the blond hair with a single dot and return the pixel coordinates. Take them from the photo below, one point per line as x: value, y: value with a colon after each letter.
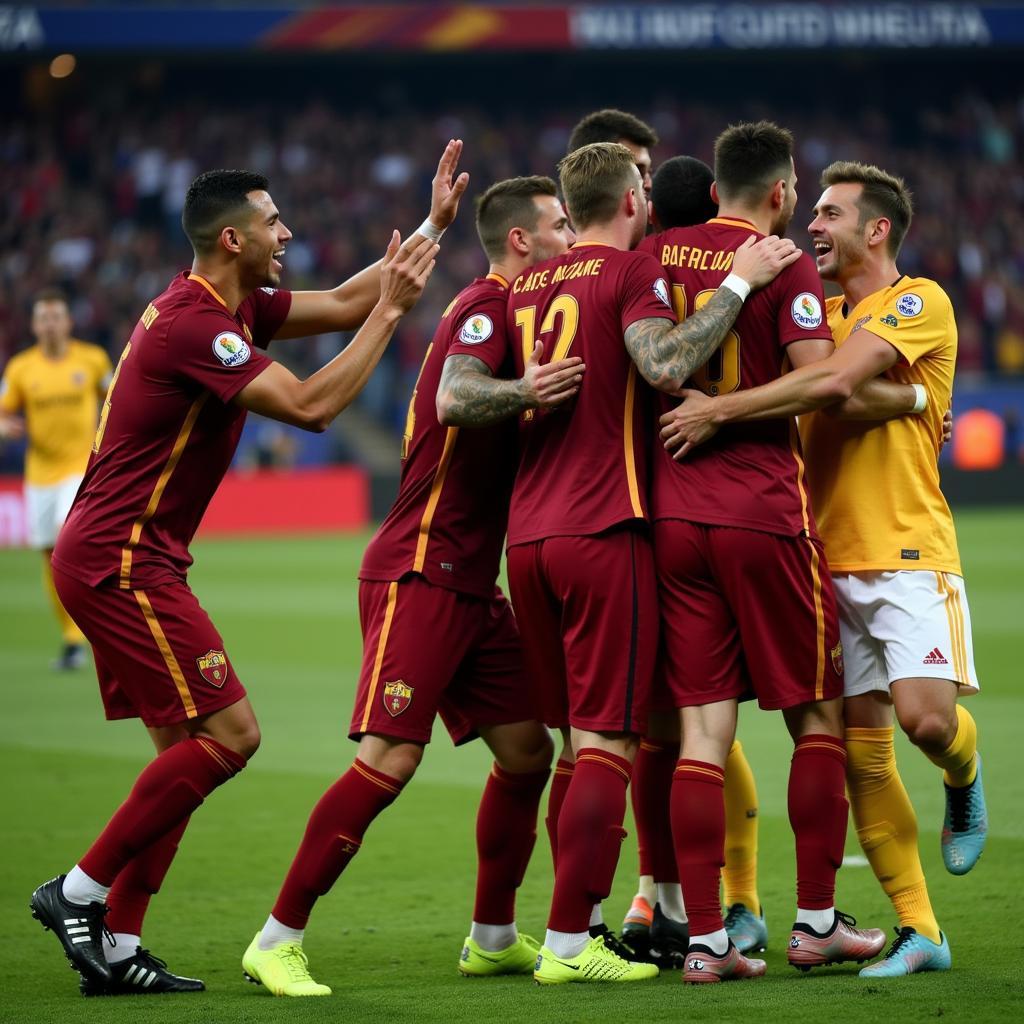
x: 594, y: 179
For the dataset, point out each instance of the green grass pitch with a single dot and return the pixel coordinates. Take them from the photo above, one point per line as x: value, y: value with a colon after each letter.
x: 387, y: 939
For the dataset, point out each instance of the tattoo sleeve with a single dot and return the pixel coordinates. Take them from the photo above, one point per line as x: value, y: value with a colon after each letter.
x: 666, y: 357
x: 472, y: 397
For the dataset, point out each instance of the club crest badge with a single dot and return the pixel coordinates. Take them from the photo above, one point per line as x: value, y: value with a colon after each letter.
x: 231, y: 349
x: 397, y: 697
x: 837, y: 658
x: 213, y: 667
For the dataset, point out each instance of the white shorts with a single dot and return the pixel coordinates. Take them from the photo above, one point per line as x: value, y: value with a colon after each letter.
x: 904, y: 625
x: 46, y: 508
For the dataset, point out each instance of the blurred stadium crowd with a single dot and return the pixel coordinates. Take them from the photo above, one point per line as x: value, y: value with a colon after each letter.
x: 91, y: 201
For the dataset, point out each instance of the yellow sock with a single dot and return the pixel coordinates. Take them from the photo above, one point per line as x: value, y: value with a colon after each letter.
x: 887, y: 826
x: 739, y: 876
x: 68, y: 630
x: 958, y: 761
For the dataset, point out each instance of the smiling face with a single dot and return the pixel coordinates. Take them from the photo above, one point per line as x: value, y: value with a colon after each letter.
x: 263, y: 240
x: 838, y: 232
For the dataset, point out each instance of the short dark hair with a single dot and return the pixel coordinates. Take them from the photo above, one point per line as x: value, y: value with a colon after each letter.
x: 681, y: 193
x: 882, y: 195
x: 506, y: 205
x: 213, y: 199
x: 610, y: 126
x: 750, y: 158
x: 50, y: 294
x: 594, y: 180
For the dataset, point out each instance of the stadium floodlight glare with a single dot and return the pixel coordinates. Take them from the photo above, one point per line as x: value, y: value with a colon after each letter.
x: 62, y: 65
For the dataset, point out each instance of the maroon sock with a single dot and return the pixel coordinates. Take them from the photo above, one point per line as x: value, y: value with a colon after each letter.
x: 590, y: 836
x: 140, y: 879
x: 506, y: 829
x: 818, y: 812
x: 333, y: 837
x: 559, y: 787
x: 167, y: 791
x: 698, y: 830
x: 651, y: 791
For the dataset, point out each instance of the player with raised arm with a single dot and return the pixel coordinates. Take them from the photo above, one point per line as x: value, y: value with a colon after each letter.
x: 736, y: 513
x: 194, y: 365
x: 891, y: 541
x: 439, y: 636
x: 578, y: 552
x: 56, y: 385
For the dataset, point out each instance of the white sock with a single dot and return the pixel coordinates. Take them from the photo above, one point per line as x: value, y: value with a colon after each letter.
x: 646, y: 888
x: 717, y: 942
x: 123, y: 949
x: 670, y: 899
x: 596, y: 917
x: 79, y: 888
x: 493, y: 937
x: 820, y: 920
x: 274, y: 933
x: 566, y: 944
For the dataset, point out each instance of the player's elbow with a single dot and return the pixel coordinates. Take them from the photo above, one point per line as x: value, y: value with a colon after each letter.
x: 836, y: 387
x: 445, y: 404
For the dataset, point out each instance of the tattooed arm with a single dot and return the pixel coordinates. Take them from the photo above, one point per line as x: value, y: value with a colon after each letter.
x: 470, y: 396
x: 667, y: 355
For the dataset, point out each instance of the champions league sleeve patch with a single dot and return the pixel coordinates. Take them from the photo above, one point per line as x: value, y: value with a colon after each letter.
x: 909, y: 304
x: 231, y: 349
x: 806, y: 311
x: 476, y: 330
x: 661, y: 290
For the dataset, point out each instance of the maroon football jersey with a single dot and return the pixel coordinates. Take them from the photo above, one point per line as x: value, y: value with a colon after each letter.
x: 584, y: 465
x: 167, y: 433
x: 448, y: 520
x: 748, y: 474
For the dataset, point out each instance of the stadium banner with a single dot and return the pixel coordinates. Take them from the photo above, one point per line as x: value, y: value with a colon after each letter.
x: 263, y: 502
x: 448, y: 27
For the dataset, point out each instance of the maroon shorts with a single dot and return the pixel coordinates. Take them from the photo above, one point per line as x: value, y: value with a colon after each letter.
x: 588, y: 611
x: 158, y: 655
x: 429, y: 651
x: 745, y: 611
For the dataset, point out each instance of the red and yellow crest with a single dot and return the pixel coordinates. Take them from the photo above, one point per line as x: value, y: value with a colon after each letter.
x: 397, y: 697
x: 213, y: 667
x: 837, y: 658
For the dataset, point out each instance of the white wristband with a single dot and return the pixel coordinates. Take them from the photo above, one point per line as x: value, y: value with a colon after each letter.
x: 430, y: 230
x: 736, y: 284
x: 922, y: 398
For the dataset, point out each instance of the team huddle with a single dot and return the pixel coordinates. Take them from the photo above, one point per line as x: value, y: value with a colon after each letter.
x: 613, y: 404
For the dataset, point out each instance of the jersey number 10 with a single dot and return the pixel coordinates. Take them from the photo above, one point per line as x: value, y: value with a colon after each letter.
x: 721, y: 373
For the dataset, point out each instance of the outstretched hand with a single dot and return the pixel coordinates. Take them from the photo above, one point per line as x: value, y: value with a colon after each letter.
x: 445, y: 193
x: 404, y: 271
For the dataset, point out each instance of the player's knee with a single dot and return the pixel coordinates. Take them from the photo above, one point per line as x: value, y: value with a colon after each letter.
x: 533, y: 752
x: 930, y: 730
x: 247, y: 740
x: 401, y: 761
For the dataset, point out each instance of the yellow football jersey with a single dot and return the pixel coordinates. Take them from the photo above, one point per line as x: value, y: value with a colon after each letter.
x: 60, y: 400
x: 875, y: 485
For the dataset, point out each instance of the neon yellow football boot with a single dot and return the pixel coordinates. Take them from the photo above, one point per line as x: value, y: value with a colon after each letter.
x: 283, y: 970
x: 596, y: 963
x: 519, y: 958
